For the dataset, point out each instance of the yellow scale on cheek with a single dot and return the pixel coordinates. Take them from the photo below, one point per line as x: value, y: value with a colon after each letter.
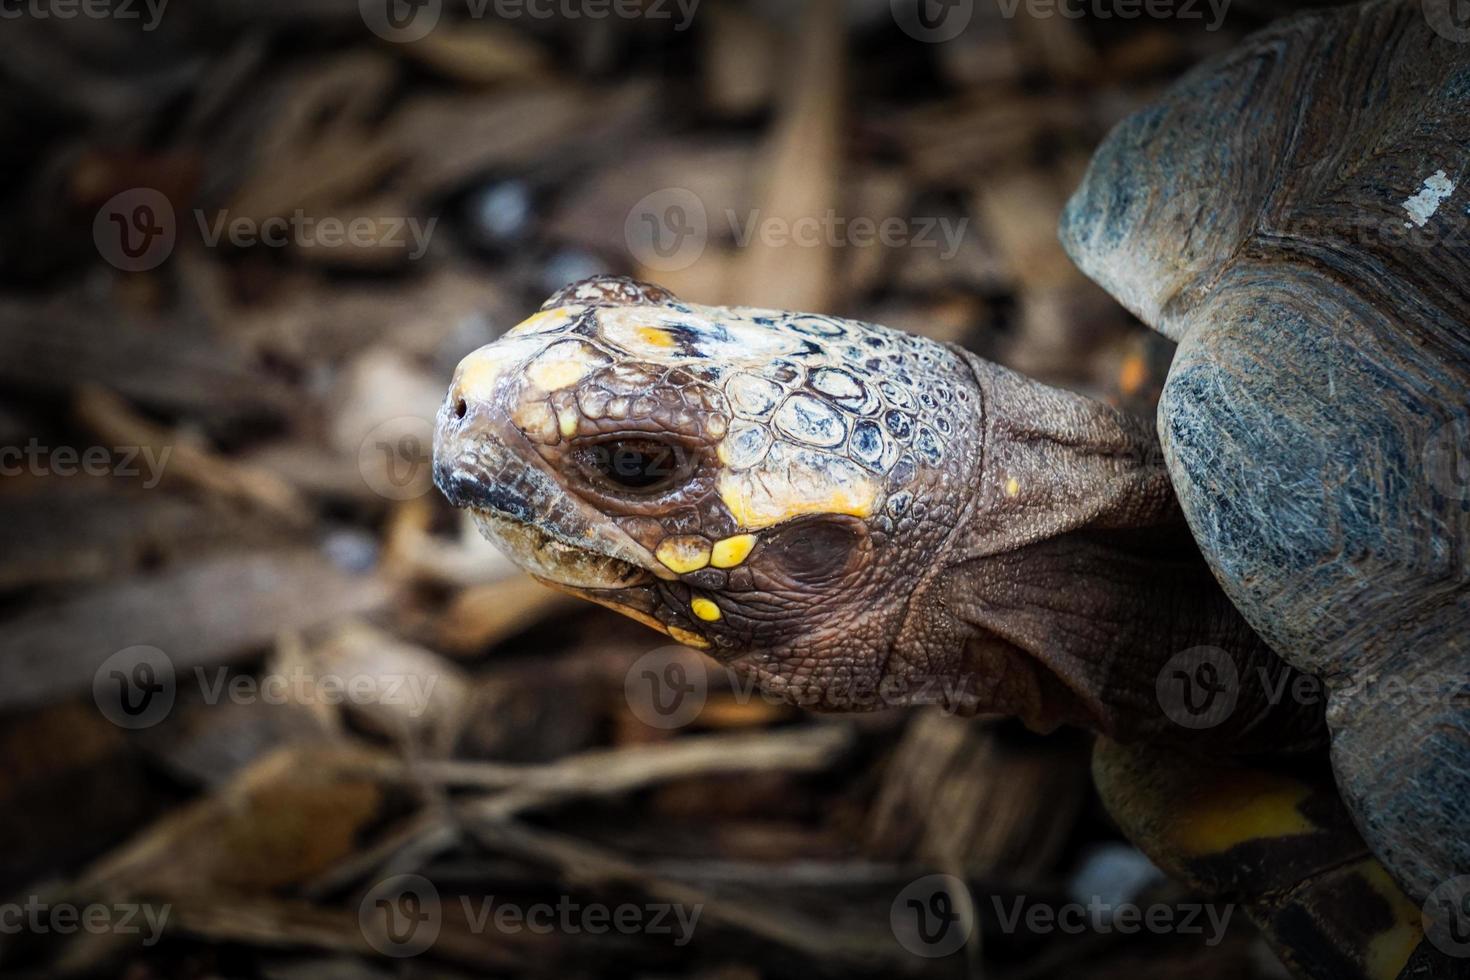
x: 729, y: 552
x: 683, y: 553
x: 705, y: 609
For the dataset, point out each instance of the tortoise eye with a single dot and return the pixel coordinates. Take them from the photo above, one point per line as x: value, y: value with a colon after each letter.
x: 635, y: 466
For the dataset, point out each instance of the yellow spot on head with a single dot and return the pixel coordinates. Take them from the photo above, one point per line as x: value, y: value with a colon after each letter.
x: 1013, y: 487
x: 655, y: 337
x: 792, y: 482
x: 683, y: 553
x: 567, y: 420
x: 688, y: 639
x: 536, y: 420
x: 554, y: 374
x: 705, y: 609
x: 478, y: 375
x: 545, y: 320
x: 732, y: 551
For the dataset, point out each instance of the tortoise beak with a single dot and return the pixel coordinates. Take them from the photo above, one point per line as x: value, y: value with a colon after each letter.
x: 483, y: 463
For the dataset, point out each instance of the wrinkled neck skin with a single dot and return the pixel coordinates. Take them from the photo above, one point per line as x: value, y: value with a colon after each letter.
x: 1071, y: 581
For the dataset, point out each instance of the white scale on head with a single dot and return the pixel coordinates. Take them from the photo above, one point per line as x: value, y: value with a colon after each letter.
x: 807, y: 433
x: 790, y: 450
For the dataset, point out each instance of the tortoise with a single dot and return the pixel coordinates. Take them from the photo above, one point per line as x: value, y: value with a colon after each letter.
x: 1272, y: 575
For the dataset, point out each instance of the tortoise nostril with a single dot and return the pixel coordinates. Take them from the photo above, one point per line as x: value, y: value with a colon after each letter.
x: 461, y: 408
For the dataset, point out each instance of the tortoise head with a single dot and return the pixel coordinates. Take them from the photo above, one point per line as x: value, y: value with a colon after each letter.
x: 771, y: 488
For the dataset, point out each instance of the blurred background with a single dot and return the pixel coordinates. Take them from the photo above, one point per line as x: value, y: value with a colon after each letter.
x: 270, y: 708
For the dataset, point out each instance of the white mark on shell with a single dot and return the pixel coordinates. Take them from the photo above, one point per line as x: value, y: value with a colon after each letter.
x: 1421, y: 206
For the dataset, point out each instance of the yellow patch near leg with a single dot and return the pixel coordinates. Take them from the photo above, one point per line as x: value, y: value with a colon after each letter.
x: 1246, y: 813
x: 732, y: 551
x: 705, y: 609
x: 1389, y: 950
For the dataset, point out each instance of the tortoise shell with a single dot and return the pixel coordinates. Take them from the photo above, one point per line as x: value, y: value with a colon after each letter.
x: 1296, y: 215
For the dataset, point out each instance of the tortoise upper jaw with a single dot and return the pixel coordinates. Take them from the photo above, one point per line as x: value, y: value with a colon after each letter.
x: 553, y: 560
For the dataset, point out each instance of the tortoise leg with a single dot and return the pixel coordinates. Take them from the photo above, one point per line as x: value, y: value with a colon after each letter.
x: 1279, y: 842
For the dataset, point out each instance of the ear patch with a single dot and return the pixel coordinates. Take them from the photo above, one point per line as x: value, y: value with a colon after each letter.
x: 732, y: 551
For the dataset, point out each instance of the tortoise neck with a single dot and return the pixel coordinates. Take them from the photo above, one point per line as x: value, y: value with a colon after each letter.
x: 1083, y: 590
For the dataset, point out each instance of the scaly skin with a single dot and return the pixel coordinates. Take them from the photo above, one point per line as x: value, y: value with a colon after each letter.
x: 853, y: 516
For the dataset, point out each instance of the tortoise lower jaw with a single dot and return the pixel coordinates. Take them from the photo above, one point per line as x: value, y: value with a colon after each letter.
x: 554, y: 561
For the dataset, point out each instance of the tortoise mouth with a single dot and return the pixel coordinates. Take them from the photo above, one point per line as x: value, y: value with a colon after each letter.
x: 554, y: 560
